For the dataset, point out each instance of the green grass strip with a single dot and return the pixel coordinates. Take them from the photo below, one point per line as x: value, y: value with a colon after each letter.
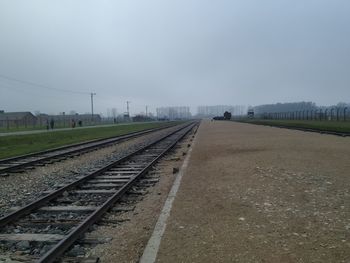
x: 15, y: 145
x: 336, y: 126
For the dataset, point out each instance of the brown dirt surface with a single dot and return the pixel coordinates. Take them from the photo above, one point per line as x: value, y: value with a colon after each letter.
x: 261, y: 194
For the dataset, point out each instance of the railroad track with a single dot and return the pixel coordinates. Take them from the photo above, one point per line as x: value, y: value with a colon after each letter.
x: 29, y: 161
x: 57, y: 220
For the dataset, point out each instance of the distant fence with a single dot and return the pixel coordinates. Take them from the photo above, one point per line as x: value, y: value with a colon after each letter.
x: 59, y: 122
x: 19, y: 124
x: 329, y: 114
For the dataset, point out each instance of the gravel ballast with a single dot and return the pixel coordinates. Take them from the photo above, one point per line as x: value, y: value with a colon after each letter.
x: 129, y: 238
x: 19, y: 189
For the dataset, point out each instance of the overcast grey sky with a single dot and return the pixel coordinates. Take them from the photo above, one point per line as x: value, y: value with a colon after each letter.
x: 179, y: 52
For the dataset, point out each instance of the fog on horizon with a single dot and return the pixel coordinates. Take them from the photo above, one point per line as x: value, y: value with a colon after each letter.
x: 172, y: 53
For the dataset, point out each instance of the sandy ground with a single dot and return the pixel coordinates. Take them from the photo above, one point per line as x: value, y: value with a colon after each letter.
x: 261, y: 194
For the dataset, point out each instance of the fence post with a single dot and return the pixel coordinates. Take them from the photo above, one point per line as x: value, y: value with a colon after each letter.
x: 337, y: 114
x: 345, y: 113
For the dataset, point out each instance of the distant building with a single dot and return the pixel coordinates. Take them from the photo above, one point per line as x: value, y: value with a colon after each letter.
x: 219, y: 110
x: 85, y: 118
x: 173, y: 113
x: 17, y: 119
x: 141, y: 118
x: 67, y: 119
x: 42, y: 119
x: 126, y: 117
x: 212, y: 111
x: 250, y: 113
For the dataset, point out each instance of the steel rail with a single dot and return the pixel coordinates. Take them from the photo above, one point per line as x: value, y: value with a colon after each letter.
x: 95, y: 144
x: 43, y: 200
x: 81, y: 144
x: 64, y: 244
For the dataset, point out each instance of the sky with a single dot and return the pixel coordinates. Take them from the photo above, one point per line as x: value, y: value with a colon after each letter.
x: 172, y: 53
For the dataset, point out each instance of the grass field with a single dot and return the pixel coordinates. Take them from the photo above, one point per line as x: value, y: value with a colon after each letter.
x: 4, y: 129
x: 23, y: 144
x: 337, y: 126
x: 58, y: 126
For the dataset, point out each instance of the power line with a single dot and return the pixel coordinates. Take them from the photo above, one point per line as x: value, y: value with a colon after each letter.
x: 40, y: 85
x: 17, y: 89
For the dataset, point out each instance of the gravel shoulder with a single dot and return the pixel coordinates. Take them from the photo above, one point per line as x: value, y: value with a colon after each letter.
x: 261, y: 194
x: 19, y: 189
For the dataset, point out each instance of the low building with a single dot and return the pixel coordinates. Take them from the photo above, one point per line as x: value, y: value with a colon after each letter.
x: 173, y: 113
x: 17, y: 119
x: 68, y: 119
x: 250, y: 113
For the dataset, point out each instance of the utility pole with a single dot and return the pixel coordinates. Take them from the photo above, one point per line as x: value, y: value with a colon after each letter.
x: 92, y: 105
x: 146, y: 110
x: 127, y: 108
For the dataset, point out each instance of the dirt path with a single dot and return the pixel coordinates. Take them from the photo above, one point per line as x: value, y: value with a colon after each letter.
x: 261, y: 194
